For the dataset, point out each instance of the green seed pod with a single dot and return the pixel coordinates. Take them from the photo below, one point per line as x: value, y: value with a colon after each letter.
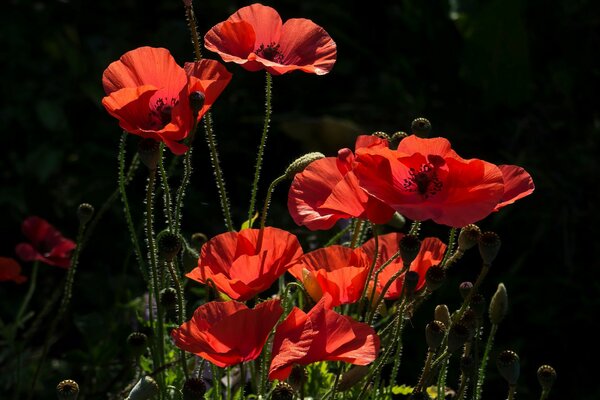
x: 442, y: 314
x: 409, y: 248
x: 434, y: 334
x: 137, y: 342
x: 509, y: 366
x: 489, y: 246
x: 283, y: 391
x: 468, y: 237
x: 193, y: 389
x: 85, y: 212
x: 197, y: 99
x: 465, y: 288
x: 168, y: 244
x: 546, y: 376
x: 67, y: 390
x: 421, y: 127
x: 435, y: 277
x: 148, y: 150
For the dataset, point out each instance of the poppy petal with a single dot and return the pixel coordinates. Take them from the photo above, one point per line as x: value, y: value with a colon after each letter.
x: 233, y: 41
x: 517, y: 184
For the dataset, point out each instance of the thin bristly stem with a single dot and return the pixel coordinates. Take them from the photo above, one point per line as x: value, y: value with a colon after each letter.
x: 356, y: 233
x: 181, y: 304
x: 166, y: 189
x: 263, y: 217
x: 28, y: 295
x: 486, y: 353
x: 191, y: 20
x: 261, y: 147
x: 450, y: 248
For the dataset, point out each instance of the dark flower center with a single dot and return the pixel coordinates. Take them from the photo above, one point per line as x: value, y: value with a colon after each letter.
x: 423, y: 181
x: 270, y: 52
x: 160, y: 114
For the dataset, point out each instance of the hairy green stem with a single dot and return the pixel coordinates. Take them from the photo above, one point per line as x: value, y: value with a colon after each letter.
x: 166, y: 190
x: 191, y: 20
x: 486, y: 353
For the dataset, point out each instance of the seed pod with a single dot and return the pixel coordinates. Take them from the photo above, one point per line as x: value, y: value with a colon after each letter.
x: 168, y: 244
x: 509, y: 366
x: 442, y: 314
x: 435, y: 277
x: 457, y: 337
x: 67, y: 390
x: 468, y: 237
x: 137, y: 342
x: 465, y: 288
x: 409, y: 248
x: 421, y: 127
x: 489, y: 246
x: 148, y: 150
x: 546, y: 376
x: 283, y: 391
x: 193, y: 389
x: 85, y: 212
x: 197, y: 99
x: 434, y: 334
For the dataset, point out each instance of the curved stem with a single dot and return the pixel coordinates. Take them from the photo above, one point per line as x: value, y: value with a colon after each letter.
x: 166, y: 190
x: 28, y: 295
x: 484, y: 359
x: 261, y: 147
x: 450, y: 249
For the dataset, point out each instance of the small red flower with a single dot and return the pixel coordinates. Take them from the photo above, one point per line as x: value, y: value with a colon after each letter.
x: 255, y: 38
x: 327, y: 191
x: 47, y: 244
x: 10, y: 270
x: 339, y: 271
x: 517, y: 184
x: 228, y: 333
x: 149, y: 93
x: 425, y: 179
x: 240, y: 269
x: 320, y: 335
x: 431, y: 253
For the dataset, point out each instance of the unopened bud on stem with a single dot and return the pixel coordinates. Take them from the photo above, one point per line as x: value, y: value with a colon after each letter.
x: 299, y: 164
x: 498, y: 305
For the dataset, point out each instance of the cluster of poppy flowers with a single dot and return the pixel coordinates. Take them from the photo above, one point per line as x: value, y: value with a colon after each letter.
x: 422, y: 179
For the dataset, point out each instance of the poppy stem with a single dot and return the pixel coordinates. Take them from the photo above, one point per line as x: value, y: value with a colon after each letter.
x: 261, y: 147
x: 214, y: 159
x: 165, y: 188
x: 385, y: 288
x: 363, y: 296
x: 397, y: 337
x: 263, y: 217
x: 356, y: 233
x: 181, y: 305
x: 27, y: 299
x: 191, y: 20
x: 486, y: 353
x: 450, y: 248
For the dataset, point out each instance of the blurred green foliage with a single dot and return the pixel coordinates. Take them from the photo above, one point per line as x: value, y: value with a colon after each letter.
x: 508, y: 81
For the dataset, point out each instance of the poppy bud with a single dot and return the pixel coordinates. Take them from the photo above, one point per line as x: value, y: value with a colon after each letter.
x: 353, y: 376
x: 169, y: 245
x: 498, y: 305
x: 298, y: 376
x: 467, y: 365
x: 442, y: 314
x: 67, y: 390
x: 489, y: 245
x: 434, y: 334
x: 148, y: 150
x: 197, y: 240
x: 283, y: 391
x: 457, y: 336
x: 468, y: 237
x: 85, y: 212
x: 144, y: 389
x: 409, y: 249
x: 197, y: 99
x: 411, y: 279
x: 546, y: 376
x: 509, y: 366
x: 421, y: 127
x: 300, y: 163
x: 137, y: 343
x: 193, y: 389
x: 435, y: 277
x: 477, y: 304
x: 465, y: 288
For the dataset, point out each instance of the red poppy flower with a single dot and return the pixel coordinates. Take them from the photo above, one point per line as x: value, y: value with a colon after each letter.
x: 10, y: 270
x: 517, y: 184
x: 425, y: 179
x: 431, y: 253
x: 149, y: 93
x: 339, y: 271
x: 47, y: 244
x: 228, y: 333
x: 327, y: 191
x: 320, y: 335
x: 255, y: 38
x: 240, y: 270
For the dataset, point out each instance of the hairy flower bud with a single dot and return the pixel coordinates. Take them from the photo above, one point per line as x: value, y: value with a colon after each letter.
x: 468, y: 237
x: 193, y: 389
x: 434, y: 334
x: 457, y: 337
x: 148, y: 150
x: 421, y: 127
x: 67, y: 390
x: 299, y: 164
x: 509, y: 366
x: 435, y: 277
x: 546, y: 376
x: 409, y: 248
x: 168, y: 244
x: 144, y: 389
x: 283, y: 391
x: 498, y: 305
x: 85, y: 212
x: 489, y: 245
x: 465, y: 288
x: 442, y: 314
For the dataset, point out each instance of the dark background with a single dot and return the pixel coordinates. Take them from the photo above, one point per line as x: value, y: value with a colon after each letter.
x: 508, y: 81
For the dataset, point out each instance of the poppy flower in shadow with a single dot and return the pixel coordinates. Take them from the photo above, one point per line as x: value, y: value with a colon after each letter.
x: 150, y: 94
x: 327, y: 190
x: 320, y: 335
x: 46, y: 244
x: 431, y: 253
x: 425, y: 179
x: 255, y: 37
x: 10, y: 270
x: 339, y: 271
x: 228, y: 333
x: 240, y: 267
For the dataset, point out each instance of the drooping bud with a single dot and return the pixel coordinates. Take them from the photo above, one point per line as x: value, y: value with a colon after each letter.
x: 489, y: 245
x: 442, y: 314
x: 468, y: 237
x: 465, y: 288
x: 498, y: 305
x: 137, y: 342
x: 435, y: 277
x: 457, y: 337
x: 144, y: 389
x: 477, y: 304
x: 67, y: 390
x: 409, y: 249
x: 193, y: 389
x: 197, y: 99
x: 434, y: 334
x: 299, y: 164
x: 283, y: 391
x: 197, y: 240
x: 509, y: 366
x: 353, y: 376
x: 421, y: 127
x: 411, y: 279
x: 168, y: 244
x: 148, y: 150
x: 85, y: 212
x: 467, y: 365
x: 546, y: 376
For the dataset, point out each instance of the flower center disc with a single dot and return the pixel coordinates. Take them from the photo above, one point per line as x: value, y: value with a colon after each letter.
x: 270, y: 52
